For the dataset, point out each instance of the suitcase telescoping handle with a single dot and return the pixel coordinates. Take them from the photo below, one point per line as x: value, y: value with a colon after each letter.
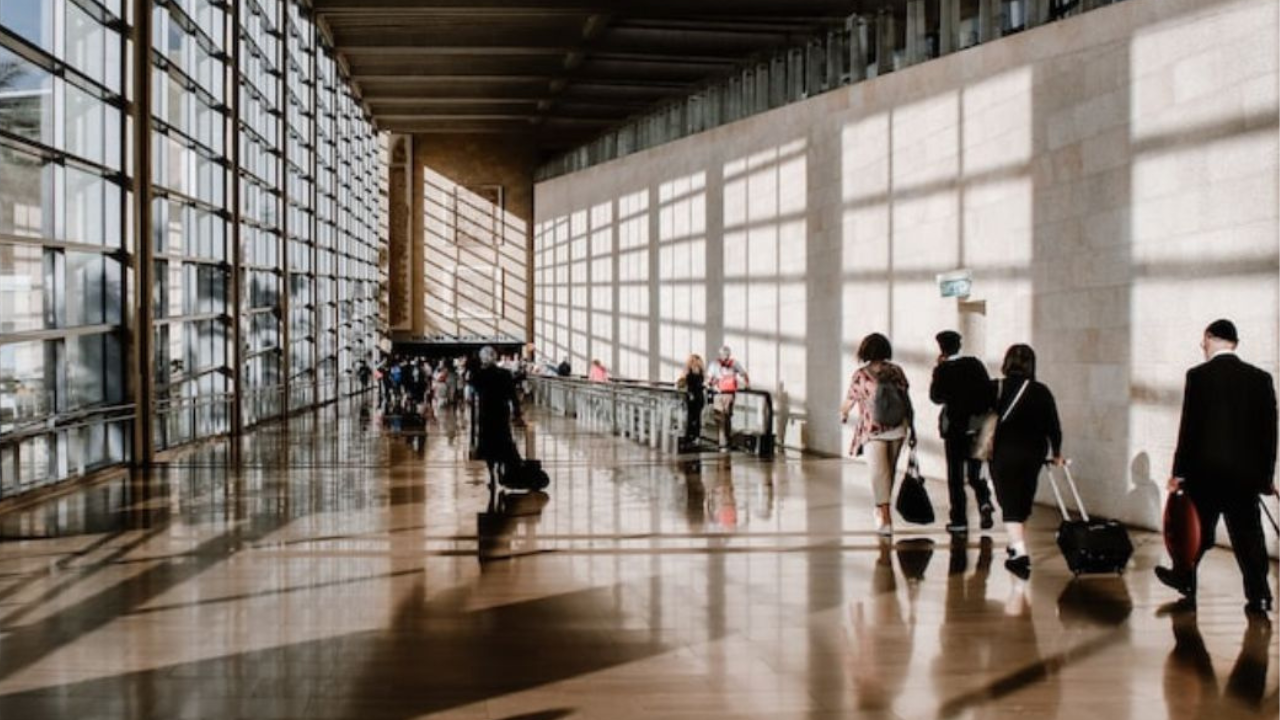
x: 1071, y: 484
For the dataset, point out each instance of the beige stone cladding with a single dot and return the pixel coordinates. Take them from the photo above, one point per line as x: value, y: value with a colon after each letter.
x: 1109, y: 180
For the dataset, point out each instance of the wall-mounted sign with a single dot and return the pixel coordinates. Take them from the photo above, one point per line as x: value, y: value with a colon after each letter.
x: 956, y: 284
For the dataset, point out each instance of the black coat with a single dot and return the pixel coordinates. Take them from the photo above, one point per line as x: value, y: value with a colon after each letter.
x: 963, y: 389
x: 495, y: 401
x: 1032, y: 431
x: 1227, y: 437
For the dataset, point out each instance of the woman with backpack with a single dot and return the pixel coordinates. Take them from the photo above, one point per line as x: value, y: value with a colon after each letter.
x: 1027, y: 431
x: 878, y: 392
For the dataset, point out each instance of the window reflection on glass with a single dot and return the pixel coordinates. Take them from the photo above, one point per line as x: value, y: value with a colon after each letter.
x: 83, y: 210
x: 26, y: 98
x: 85, y: 289
x: 33, y: 462
x: 23, y: 394
x: 91, y: 48
x: 86, y: 371
x: 32, y: 20
x: 21, y: 288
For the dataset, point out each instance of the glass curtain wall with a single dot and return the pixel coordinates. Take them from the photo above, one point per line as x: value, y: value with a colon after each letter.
x: 261, y: 216
x: 302, y: 108
x: 190, y: 219
x: 257, y: 271
x: 356, y: 257
x: 63, y: 240
x: 327, y: 176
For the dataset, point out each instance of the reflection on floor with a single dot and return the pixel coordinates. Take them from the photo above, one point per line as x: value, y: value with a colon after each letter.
x: 337, y: 575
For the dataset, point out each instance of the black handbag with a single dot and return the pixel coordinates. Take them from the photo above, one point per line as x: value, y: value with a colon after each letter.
x: 913, y: 502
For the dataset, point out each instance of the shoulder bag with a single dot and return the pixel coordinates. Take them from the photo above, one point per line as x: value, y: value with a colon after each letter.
x: 984, y: 439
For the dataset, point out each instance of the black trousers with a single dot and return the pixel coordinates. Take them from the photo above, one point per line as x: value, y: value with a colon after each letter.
x: 693, y: 417
x: 1244, y: 527
x: 958, y: 465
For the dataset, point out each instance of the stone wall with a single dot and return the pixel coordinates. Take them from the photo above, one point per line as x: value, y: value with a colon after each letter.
x: 1110, y: 181
x: 469, y: 237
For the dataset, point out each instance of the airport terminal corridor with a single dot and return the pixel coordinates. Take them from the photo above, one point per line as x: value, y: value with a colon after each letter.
x: 349, y: 568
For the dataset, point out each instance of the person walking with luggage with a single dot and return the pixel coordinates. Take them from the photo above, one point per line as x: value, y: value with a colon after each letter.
x: 693, y: 381
x: 1226, y: 458
x: 1027, y: 432
x: 879, y: 395
x: 496, y: 407
x: 727, y: 378
x: 962, y: 387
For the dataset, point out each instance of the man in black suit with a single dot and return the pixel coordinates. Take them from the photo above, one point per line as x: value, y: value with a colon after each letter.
x: 1226, y: 458
x: 963, y: 389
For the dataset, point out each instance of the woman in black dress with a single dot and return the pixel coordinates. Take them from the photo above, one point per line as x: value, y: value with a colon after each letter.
x: 1027, y: 434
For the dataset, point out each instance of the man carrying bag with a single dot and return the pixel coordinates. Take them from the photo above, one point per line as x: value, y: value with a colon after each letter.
x: 1225, y: 459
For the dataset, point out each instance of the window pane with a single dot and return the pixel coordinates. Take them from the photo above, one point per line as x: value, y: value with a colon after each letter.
x: 26, y: 190
x: 86, y: 286
x: 21, y: 288
x: 26, y: 98
x: 84, y: 221
x: 30, y: 19
x: 86, y: 377
x: 23, y: 393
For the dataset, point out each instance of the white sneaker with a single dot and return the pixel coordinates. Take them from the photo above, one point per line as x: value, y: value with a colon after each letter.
x: 885, y: 530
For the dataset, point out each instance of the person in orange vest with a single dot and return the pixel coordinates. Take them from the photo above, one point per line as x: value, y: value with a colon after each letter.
x: 727, y: 378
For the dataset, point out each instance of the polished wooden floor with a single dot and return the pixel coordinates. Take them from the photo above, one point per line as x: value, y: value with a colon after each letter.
x: 338, y: 574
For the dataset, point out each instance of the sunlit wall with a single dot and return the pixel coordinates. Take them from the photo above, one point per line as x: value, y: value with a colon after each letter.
x: 1109, y: 181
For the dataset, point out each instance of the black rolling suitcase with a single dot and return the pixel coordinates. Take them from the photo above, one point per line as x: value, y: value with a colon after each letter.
x: 1089, y: 545
x: 525, y: 473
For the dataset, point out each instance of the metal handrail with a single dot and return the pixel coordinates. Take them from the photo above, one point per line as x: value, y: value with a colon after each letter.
x: 70, y: 421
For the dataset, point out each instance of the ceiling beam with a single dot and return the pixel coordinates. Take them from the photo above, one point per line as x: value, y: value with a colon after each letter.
x: 461, y: 50
x: 638, y: 8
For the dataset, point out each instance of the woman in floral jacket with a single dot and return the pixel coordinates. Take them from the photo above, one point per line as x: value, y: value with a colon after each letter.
x: 880, y: 445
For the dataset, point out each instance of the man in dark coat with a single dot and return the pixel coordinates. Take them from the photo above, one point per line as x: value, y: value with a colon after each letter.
x: 1226, y: 458
x: 962, y: 387
x: 496, y: 405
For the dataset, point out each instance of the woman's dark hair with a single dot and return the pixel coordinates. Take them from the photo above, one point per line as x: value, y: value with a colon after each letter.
x: 875, y: 347
x: 1020, y: 361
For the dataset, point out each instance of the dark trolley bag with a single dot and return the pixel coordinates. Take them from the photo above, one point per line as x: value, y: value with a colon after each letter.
x: 1089, y: 545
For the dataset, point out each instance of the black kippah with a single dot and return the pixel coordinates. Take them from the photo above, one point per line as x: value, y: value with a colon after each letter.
x: 1223, y: 330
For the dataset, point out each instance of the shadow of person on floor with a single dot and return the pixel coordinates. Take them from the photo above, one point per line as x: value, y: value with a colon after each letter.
x: 509, y: 527
x: 1191, y: 687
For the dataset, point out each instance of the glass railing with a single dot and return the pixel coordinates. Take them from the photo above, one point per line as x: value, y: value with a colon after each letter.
x: 654, y: 414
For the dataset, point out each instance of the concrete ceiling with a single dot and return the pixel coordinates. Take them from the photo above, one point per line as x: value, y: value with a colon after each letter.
x: 554, y: 72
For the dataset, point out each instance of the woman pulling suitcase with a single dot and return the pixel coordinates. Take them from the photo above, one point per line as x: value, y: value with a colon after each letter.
x: 1027, y: 431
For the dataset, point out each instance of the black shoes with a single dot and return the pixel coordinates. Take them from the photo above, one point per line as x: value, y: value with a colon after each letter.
x: 1183, y: 582
x: 1019, y: 565
x: 988, y: 516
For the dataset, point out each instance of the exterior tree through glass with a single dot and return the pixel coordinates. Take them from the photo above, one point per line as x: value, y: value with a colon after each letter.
x: 204, y: 265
